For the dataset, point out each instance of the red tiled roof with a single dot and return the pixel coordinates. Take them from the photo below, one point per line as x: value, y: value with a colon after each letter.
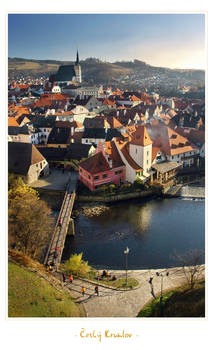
x: 95, y: 164
x: 169, y: 141
x: 141, y: 137
x: 113, y: 122
x: 155, y: 151
x: 112, y: 151
x: 123, y: 146
x: 12, y: 122
x: 108, y: 102
x: 193, y: 135
x: 134, y: 98
x: 129, y: 159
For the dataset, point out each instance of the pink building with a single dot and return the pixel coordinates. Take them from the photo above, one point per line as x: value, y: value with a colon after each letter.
x: 102, y: 168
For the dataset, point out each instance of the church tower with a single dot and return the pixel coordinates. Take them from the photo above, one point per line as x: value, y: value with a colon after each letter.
x: 77, y: 69
x: 140, y: 148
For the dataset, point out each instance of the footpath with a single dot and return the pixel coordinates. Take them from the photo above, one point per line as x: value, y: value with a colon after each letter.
x: 119, y: 303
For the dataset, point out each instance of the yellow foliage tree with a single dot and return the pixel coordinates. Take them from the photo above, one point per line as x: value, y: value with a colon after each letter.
x: 76, y: 265
x: 29, y: 222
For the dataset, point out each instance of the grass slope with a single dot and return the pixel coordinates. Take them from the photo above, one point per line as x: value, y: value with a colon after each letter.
x: 31, y: 296
x: 179, y: 302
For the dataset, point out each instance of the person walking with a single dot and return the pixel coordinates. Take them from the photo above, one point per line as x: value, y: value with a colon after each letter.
x: 83, y: 290
x: 96, y: 290
x: 71, y: 278
x: 64, y: 278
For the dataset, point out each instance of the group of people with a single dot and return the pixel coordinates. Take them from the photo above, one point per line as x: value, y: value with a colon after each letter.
x: 106, y: 273
x: 83, y: 289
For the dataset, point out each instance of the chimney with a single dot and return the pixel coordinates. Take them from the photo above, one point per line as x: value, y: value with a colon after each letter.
x: 110, y: 162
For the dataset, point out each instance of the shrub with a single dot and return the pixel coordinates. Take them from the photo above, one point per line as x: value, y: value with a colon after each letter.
x: 125, y: 187
x: 138, y: 184
x: 76, y: 265
x: 112, y: 187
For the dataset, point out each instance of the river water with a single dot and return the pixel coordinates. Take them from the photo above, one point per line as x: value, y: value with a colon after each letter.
x: 154, y: 230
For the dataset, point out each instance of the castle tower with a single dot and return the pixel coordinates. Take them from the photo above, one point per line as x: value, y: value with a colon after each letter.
x: 77, y: 69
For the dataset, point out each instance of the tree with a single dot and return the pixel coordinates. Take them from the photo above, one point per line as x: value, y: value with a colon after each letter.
x: 29, y: 221
x: 76, y: 265
x: 191, y: 265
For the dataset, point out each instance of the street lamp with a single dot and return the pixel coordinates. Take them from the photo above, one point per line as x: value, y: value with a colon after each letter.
x: 126, y: 252
x: 161, y: 290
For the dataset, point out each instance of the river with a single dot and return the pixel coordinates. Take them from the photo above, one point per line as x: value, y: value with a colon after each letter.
x: 153, y: 229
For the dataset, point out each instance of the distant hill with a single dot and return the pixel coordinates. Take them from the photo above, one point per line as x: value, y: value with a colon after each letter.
x: 96, y: 71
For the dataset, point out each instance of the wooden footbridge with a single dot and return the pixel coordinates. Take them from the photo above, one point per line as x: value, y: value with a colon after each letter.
x: 64, y: 225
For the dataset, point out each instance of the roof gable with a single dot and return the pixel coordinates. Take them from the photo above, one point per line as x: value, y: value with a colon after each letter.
x: 21, y: 156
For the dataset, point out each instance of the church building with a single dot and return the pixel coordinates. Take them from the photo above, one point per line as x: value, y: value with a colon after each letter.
x: 69, y: 74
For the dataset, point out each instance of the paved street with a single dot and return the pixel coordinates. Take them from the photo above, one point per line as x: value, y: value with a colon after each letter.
x: 115, y: 303
x: 57, y: 180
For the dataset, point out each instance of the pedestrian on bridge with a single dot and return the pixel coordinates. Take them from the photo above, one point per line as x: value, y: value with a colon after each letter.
x: 83, y: 290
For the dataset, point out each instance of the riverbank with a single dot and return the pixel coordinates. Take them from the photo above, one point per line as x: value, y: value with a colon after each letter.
x: 113, y: 303
x: 115, y: 198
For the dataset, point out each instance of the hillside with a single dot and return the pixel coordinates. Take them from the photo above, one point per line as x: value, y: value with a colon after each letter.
x: 32, y: 296
x: 96, y: 71
x: 178, y: 302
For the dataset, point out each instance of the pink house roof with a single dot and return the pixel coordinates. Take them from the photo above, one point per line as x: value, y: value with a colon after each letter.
x: 95, y: 164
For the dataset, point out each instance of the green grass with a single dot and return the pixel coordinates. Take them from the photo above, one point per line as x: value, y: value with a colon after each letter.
x: 118, y: 283
x: 31, y: 296
x: 179, y: 302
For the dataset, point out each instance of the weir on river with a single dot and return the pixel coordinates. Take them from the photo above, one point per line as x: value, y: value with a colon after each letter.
x: 63, y: 225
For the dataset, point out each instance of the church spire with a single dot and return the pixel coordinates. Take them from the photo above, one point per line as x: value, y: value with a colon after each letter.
x: 77, y: 58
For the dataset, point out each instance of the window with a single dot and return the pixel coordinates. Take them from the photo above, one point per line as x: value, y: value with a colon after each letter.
x: 147, y: 162
x: 86, y: 141
x: 118, y: 172
x: 89, y: 177
x: 147, y: 153
x: 104, y: 176
x: 96, y: 177
x: 80, y: 170
x: 136, y: 151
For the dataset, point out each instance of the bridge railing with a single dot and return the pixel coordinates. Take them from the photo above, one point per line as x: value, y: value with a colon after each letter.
x: 56, y: 225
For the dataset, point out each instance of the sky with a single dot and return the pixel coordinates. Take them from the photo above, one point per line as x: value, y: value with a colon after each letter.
x: 166, y: 40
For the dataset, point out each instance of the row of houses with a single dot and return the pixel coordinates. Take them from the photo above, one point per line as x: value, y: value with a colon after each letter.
x: 150, y: 153
x: 121, y: 136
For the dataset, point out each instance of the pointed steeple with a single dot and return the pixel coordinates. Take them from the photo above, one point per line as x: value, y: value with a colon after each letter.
x: 77, y: 58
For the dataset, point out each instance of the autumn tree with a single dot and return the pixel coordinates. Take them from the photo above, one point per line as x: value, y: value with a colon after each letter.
x: 29, y: 222
x: 76, y: 265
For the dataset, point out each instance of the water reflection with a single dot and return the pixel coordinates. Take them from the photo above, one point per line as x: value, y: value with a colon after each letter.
x: 152, y: 230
